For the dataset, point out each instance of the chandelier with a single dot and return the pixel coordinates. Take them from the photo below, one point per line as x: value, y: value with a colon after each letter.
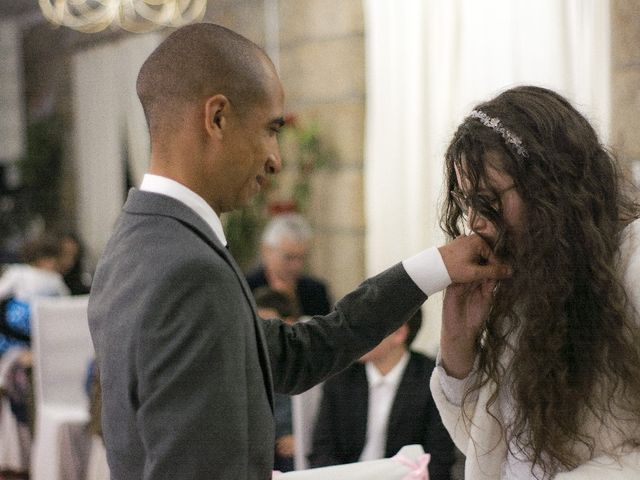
x: 132, y: 15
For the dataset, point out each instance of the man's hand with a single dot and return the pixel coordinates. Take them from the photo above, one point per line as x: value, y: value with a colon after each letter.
x: 470, y: 259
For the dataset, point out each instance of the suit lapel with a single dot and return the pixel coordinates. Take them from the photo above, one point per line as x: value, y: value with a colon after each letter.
x: 157, y: 204
x: 257, y: 323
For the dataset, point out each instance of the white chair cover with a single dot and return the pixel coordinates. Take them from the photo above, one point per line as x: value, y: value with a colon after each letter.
x: 409, y: 464
x: 62, y: 350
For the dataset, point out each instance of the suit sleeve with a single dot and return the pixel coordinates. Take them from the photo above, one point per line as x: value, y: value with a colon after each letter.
x: 307, y: 353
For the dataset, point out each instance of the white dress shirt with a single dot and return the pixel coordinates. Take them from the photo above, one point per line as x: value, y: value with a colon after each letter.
x: 28, y: 283
x: 382, y: 392
x: 428, y: 271
x: 171, y: 188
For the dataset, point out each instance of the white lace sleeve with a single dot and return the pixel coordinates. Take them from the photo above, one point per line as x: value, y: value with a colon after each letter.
x: 453, y: 388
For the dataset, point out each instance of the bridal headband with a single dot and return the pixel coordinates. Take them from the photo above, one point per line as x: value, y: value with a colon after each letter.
x: 495, y: 125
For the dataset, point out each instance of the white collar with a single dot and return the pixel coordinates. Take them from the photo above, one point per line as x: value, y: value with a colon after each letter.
x: 171, y: 188
x: 374, y: 377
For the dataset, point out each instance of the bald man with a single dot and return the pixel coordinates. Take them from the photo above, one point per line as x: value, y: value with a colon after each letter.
x: 187, y: 367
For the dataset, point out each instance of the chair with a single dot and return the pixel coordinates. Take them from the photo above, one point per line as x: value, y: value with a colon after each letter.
x: 62, y: 350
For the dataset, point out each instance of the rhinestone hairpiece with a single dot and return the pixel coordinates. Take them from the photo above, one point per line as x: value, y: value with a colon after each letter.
x: 495, y: 124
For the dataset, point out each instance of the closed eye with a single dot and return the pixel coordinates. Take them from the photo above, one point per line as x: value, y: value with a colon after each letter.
x: 488, y: 200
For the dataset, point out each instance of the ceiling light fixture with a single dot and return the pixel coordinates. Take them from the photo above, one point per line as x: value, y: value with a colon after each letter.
x: 132, y: 15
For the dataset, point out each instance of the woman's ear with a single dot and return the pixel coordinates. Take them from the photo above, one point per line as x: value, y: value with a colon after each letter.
x: 215, y: 115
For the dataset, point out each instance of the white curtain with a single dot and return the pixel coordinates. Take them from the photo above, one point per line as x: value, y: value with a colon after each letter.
x: 427, y: 63
x: 110, y: 134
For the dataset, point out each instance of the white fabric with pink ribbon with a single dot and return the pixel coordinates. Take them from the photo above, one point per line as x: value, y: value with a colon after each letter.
x: 418, y: 467
x: 410, y: 463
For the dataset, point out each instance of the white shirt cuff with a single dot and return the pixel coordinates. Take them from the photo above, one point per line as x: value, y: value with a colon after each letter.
x: 428, y: 271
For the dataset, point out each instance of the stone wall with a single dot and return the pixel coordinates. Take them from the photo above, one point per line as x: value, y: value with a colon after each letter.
x: 321, y: 64
x: 625, y: 82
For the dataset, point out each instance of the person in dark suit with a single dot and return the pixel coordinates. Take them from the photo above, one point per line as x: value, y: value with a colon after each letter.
x: 284, y: 249
x: 380, y: 404
x: 187, y: 368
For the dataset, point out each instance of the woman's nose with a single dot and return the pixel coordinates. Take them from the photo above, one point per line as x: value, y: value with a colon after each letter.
x: 477, y: 222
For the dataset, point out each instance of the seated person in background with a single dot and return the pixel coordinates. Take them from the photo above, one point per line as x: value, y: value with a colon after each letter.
x: 70, y: 264
x: 284, y: 249
x: 22, y: 284
x: 380, y: 404
x: 275, y: 304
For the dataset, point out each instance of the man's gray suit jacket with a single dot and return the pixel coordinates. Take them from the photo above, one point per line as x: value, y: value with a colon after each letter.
x: 187, y: 367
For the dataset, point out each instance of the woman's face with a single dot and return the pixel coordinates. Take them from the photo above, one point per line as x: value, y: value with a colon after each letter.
x: 497, y: 190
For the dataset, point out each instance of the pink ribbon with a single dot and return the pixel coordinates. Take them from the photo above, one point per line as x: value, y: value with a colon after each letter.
x: 418, y: 467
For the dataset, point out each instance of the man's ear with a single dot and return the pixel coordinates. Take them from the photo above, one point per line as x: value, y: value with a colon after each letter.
x: 216, y: 112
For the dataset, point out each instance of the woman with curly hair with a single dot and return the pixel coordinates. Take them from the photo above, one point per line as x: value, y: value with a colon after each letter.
x: 539, y: 374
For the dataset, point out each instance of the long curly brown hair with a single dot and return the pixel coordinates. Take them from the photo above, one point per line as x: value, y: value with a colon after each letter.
x: 564, y: 317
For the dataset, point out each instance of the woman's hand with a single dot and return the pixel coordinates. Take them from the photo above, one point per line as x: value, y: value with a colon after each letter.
x: 464, y: 311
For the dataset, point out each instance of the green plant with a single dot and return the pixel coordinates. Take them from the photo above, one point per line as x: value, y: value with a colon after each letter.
x: 303, y: 154
x: 311, y: 155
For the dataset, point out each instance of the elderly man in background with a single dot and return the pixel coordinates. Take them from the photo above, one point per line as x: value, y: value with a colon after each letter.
x: 284, y: 250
